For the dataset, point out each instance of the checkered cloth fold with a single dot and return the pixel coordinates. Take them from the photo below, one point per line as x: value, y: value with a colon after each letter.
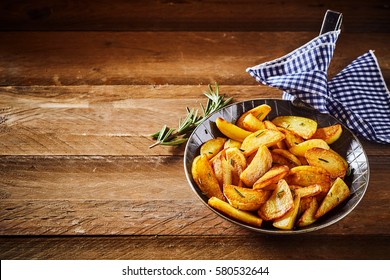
x: 357, y: 96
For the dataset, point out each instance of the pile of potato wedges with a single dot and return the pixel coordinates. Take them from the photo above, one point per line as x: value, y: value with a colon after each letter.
x: 282, y: 171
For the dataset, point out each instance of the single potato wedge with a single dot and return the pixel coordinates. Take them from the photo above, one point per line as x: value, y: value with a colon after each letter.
x: 272, y: 176
x: 251, y: 123
x: 265, y: 137
x: 302, y: 126
x: 259, y: 165
x: 291, y: 158
x: 307, y: 218
x: 237, y: 161
x: 216, y: 164
x: 245, y: 198
x: 288, y: 220
x: 212, y: 147
x: 227, y: 172
x: 291, y: 139
x: 260, y: 112
x: 204, y: 177
x: 229, y: 210
x: 230, y: 143
x: 328, y: 159
x: 306, y: 175
x: 329, y: 134
x: 337, y: 194
x: 312, y: 190
x: 269, y: 125
x: 300, y: 149
x: 280, y: 202
x: 230, y: 130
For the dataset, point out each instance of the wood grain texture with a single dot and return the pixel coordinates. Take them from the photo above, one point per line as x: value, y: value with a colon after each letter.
x: 83, y: 84
x: 254, y: 247
x: 190, y: 15
x: 137, y: 196
x: 149, y: 58
x: 105, y: 120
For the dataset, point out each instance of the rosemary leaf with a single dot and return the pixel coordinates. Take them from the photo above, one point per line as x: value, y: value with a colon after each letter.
x: 175, y: 136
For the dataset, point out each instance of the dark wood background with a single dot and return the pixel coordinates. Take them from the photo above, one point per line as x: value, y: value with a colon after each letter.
x: 84, y: 83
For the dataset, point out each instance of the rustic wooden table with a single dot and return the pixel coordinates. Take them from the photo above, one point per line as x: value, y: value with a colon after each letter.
x: 83, y: 84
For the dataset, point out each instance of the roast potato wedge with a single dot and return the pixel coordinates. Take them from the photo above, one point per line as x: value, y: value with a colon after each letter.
x: 337, y: 194
x: 300, y: 149
x: 204, y: 177
x: 312, y: 190
x: 212, y: 147
x: 291, y: 158
x: 229, y: 210
x: 287, y: 221
x: 280, y: 202
x: 329, y: 134
x: 302, y: 126
x: 251, y: 123
x: 260, y: 164
x: 245, y: 198
x: 272, y: 176
x: 237, y: 162
x: 306, y: 175
x: 265, y: 137
x: 230, y: 130
x: 328, y: 159
x: 260, y: 112
x: 230, y: 143
x: 307, y: 217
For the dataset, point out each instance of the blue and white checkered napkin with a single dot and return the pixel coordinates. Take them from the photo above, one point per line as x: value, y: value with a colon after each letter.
x: 357, y: 96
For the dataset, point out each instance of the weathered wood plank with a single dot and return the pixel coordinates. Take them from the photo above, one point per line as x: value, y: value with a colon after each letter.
x: 360, y: 16
x: 192, y: 247
x: 105, y: 120
x: 181, y: 58
x: 137, y: 196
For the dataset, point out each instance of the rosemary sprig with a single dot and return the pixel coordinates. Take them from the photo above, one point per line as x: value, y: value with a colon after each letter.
x: 176, y: 136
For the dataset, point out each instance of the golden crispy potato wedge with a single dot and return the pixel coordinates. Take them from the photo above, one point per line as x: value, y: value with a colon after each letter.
x: 269, y: 125
x: 260, y: 164
x: 204, y: 177
x: 227, y: 172
x: 260, y: 112
x: 305, y: 202
x: 329, y: 134
x: 301, y: 148
x: 328, y: 159
x: 312, y: 190
x: 291, y: 158
x: 243, y: 216
x: 337, y: 194
x: 288, y: 220
x: 270, y: 187
x: 212, y: 147
x: 251, y: 123
x: 230, y: 130
x: 230, y: 143
x: 306, y: 175
x: 237, y: 161
x: 262, y: 137
x: 302, y: 126
x: 279, y: 160
x: 216, y: 163
x: 245, y: 198
x: 307, y: 218
x: 303, y: 160
x: 291, y: 139
x: 280, y: 202
x: 272, y: 176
